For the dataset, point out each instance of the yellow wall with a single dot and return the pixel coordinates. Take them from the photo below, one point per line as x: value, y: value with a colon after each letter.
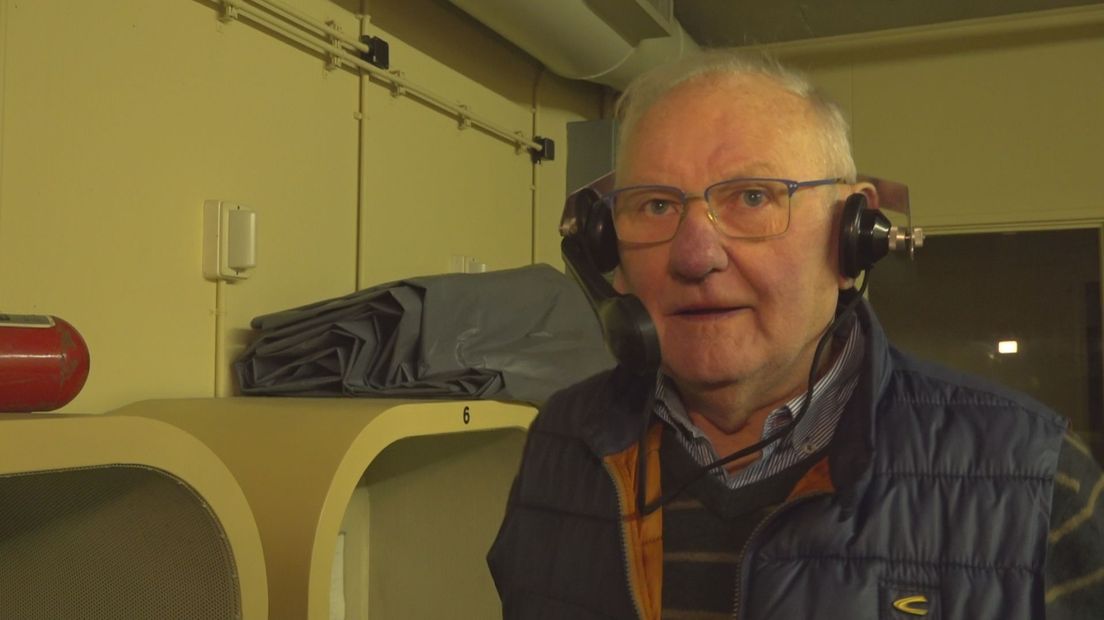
x: 118, y: 119
x: 994, y: 123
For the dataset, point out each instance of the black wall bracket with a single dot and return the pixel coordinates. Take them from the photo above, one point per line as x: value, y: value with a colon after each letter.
x: 379, y: 52
x: 546, y: 152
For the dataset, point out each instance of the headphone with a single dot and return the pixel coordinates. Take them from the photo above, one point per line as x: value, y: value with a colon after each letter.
x: 589, y: 249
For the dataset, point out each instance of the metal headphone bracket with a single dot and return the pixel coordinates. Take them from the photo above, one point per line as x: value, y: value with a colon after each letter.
x: 894, y: 196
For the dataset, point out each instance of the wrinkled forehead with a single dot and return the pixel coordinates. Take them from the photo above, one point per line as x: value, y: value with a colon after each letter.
x: 719, y: 116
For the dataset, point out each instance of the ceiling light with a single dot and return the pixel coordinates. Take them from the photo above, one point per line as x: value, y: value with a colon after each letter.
x: 1008, y: 346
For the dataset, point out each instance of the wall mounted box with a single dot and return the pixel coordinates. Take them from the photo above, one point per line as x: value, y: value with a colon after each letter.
x: 229, y: 240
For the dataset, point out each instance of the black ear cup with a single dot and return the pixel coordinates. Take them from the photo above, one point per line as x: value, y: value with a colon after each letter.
x: 864, y: 236
x: 630, y: 333
x: 598, y: 234
x: 588, y: 253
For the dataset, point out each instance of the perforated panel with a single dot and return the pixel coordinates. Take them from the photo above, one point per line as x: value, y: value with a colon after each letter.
x: 111, y: 543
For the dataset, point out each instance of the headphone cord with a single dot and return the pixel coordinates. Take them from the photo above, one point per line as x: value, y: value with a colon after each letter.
x: 645, y: 508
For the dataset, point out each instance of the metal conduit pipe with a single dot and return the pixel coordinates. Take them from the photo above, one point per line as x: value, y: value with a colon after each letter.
x: 303, y: 20
x: 402, y: 86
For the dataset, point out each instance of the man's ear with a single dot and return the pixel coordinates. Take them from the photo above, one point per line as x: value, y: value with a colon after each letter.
x: 869, y: 191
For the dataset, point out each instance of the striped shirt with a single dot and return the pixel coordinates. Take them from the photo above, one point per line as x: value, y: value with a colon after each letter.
x: 812, y: 433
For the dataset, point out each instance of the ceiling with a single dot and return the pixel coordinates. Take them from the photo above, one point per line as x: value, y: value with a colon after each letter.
x: 715, y: 23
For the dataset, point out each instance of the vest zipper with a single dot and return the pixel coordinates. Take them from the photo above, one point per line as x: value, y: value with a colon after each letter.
x: 737, y: 612
x: 633, y: 593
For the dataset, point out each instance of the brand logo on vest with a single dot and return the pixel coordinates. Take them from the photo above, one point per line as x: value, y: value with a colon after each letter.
x: 915, y: 605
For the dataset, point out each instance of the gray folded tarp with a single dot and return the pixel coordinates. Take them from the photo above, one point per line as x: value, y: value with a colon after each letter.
x: 519, y: 334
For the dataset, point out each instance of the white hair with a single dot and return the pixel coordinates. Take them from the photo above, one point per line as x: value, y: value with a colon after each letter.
x: 647, y: 89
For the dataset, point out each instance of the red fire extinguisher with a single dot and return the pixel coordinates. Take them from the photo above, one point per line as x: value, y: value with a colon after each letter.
x: 43, y: 363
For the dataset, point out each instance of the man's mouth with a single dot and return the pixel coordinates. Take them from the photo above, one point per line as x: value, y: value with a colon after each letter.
x: 707, y: 312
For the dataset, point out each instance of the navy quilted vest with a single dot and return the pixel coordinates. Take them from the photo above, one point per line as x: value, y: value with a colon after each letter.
x: 951, y: 519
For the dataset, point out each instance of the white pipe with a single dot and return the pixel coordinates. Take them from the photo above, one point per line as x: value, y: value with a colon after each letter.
x: 222, y: 368
x: 650, y: 53
x: 566, y: 36
x: 362, y: 170
x: 574, y: 42
x: 457, y: 109
x: 306, y: 21
x: 534, y: 179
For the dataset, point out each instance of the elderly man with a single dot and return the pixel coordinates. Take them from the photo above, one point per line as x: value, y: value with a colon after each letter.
x: 889, y: 488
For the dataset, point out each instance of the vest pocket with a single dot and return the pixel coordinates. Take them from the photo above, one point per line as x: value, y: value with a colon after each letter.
x: 908, y: 601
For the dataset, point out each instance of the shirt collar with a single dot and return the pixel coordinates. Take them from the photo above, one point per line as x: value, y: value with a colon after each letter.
x: 670, y: 408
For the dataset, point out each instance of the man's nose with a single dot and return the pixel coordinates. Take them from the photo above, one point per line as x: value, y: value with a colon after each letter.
x: 697, y: 248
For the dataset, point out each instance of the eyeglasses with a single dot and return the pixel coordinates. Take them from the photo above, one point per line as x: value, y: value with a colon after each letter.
x: 741, y: 208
